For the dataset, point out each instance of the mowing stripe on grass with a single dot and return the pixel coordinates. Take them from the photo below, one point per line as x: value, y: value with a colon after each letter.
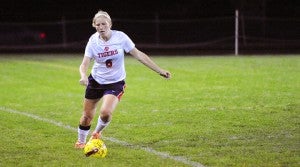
x: 123, y: 143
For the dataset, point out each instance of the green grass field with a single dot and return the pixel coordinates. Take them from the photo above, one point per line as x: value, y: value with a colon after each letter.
x: 215, y: 111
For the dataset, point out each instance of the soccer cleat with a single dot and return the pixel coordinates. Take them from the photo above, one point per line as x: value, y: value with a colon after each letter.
x: 79, y: 145
x: 95, y: 135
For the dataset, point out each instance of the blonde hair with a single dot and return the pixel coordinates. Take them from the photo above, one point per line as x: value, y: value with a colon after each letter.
x: 101, y: 13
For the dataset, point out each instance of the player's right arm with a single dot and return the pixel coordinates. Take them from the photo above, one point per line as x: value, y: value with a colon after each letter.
x: 83, y: 68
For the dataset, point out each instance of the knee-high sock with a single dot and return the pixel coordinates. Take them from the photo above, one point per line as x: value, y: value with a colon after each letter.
x: 83, y: 132
x: 101, y: 125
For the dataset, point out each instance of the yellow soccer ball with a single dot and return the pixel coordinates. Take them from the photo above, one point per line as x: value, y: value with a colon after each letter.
x: 95, y: 148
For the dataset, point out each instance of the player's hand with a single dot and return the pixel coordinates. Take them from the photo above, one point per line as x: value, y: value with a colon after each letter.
x: 165, y: 74
x: 84, y: 81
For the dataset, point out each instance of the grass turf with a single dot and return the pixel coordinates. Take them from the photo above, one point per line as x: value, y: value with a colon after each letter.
x: 217, y: 111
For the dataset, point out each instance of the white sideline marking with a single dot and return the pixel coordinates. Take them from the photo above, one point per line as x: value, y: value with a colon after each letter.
x: 123, y: 143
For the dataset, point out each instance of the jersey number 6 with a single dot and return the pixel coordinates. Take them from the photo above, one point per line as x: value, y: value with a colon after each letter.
x: 108, y: 63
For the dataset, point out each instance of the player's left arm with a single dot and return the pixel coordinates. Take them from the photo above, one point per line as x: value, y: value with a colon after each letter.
x: 145, y: 59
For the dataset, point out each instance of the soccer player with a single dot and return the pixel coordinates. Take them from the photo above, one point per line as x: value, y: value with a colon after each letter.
x: 106, y: 48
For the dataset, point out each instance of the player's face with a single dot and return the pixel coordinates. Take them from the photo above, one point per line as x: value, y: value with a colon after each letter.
x: 102, y: 25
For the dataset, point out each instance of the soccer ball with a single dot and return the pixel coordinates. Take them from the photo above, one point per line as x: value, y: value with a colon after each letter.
x: 95, y: 148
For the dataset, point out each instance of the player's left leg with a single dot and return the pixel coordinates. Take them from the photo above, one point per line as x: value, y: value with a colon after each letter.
x: 111, y: 97
x: 109, y: 104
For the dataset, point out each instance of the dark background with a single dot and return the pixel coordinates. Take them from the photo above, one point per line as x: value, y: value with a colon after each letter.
x: 53, y: 10
x: 286, y: 11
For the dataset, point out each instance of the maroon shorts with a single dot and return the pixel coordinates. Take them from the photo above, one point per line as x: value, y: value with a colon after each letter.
x: 94, y: 90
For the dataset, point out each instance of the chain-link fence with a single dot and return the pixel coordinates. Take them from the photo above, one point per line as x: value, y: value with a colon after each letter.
x: 256, y: 34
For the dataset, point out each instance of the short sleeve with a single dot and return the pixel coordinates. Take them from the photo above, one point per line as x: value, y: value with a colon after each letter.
x: 128, y: 45
x: 88, y: 49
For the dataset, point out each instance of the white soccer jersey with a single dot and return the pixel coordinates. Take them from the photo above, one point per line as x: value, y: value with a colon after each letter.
x: 108, y: 56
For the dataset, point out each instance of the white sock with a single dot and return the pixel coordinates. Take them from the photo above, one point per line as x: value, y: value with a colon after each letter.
x: 82, y: 135
x: 101, y: 125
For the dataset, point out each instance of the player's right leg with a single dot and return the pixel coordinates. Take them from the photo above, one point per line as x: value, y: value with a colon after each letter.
x: 90, y: 106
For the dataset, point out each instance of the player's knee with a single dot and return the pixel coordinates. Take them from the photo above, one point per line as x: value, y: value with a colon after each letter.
x: 105, y: 115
